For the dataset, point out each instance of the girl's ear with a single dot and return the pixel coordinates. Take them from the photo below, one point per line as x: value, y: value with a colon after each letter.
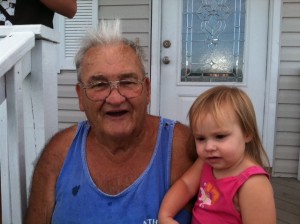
x: 248, y: 137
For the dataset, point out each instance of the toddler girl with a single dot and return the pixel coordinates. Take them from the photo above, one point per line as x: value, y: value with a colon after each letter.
x: 228, y: 175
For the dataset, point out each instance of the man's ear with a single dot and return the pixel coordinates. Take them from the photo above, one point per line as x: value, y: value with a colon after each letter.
x: 80, y: 93
x: 148, y: 89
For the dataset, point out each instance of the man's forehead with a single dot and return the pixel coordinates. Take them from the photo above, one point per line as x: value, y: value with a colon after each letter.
x: 111, y: 56
x: 104, y: 49
x: 107, y: 77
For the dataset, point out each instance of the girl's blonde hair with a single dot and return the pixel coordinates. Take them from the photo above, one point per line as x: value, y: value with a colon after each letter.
x: 217, y: 99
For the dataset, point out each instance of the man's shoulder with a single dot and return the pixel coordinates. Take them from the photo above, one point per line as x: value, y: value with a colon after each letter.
x: 182, y: 131
x: 63, y: 137
x: 58, y: 146
x: 184, y: 151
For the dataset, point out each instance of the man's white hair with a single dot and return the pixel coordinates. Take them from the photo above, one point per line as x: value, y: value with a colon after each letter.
x: 108, y: 33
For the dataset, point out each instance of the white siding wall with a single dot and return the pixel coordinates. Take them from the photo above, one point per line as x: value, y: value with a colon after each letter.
x: 135, y: 17
x: 288, y: 109
x: 68, y: 108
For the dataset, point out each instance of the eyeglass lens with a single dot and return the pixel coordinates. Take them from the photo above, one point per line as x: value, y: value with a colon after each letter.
x: 127, y: 89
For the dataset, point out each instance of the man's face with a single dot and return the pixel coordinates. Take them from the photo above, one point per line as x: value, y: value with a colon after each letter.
x: 115, y: 116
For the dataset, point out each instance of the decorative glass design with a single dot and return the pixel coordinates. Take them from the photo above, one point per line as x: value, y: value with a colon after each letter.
x: 213, y: 40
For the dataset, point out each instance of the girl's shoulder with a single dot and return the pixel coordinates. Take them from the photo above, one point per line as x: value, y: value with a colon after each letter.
x: 256, y: 200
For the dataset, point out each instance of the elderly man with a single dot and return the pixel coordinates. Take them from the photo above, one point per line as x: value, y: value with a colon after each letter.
x: 117, y: 166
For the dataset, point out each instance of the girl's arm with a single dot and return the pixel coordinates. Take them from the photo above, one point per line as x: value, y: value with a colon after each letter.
x: 67, y: 8
x: 256, y: 200
x: 180, y: 193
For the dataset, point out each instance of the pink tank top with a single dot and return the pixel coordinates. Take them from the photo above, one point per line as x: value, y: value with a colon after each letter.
x: 215, y: 198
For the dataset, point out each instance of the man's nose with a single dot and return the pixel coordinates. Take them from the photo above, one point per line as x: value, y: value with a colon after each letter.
x: 115, y: 97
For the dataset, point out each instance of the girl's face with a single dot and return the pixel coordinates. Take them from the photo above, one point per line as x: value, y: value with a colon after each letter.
x: 221, y: 144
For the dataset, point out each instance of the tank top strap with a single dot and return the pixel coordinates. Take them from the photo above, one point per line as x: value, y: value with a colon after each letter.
x: 164, y: 147
x: 75, y: 153
x: 253, y: 170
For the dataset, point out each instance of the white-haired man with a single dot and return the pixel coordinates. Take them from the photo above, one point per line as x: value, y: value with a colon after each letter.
x: 116, y: 166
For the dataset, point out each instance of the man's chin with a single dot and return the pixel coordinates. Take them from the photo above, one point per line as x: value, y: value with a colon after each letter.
x: 119, y: 131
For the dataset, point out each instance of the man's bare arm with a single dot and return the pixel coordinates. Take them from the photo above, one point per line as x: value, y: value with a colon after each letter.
x: 42, y: 196
x: 184, y: 154
x: 184, y: 151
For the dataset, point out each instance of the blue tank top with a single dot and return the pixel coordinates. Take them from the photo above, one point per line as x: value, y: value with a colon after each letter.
x: 79, y: 200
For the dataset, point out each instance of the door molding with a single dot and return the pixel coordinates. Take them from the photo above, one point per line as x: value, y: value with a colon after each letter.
x: 155, y: 56
x: 273, y: 61
x: 272, y: 69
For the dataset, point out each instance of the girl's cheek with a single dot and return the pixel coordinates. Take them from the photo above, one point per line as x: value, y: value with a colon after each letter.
x: 199, y: 150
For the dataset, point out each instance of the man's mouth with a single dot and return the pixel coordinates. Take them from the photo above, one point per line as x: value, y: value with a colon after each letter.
x: 117, y: 113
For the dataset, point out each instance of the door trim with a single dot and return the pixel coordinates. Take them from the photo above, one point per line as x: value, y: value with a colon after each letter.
x: 273, y: 62
x: 155, y: 55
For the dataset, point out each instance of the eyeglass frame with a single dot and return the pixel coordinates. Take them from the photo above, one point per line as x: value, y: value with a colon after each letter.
x: 112, y: 84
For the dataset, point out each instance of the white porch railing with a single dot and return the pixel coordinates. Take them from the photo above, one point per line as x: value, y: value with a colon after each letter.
x: 28, y: 109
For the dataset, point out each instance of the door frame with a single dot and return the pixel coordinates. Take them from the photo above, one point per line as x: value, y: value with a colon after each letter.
x: 268, y: 135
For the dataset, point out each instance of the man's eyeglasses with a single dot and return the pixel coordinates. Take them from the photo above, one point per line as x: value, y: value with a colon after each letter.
x: 100, y: 90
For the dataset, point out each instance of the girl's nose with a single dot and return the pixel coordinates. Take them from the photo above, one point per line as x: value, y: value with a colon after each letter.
x: 210, y: 145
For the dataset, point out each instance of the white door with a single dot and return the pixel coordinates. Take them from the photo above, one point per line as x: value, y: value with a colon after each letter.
x: 176, y: 94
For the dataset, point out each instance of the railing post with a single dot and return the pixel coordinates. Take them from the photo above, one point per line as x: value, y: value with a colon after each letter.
x: 28, y: 109
x: 41, y: 106
x: 15, y: 63
x: 16, y: 150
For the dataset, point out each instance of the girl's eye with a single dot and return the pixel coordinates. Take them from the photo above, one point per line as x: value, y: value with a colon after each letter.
x: 220, y: 136
x: 199, y: 139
